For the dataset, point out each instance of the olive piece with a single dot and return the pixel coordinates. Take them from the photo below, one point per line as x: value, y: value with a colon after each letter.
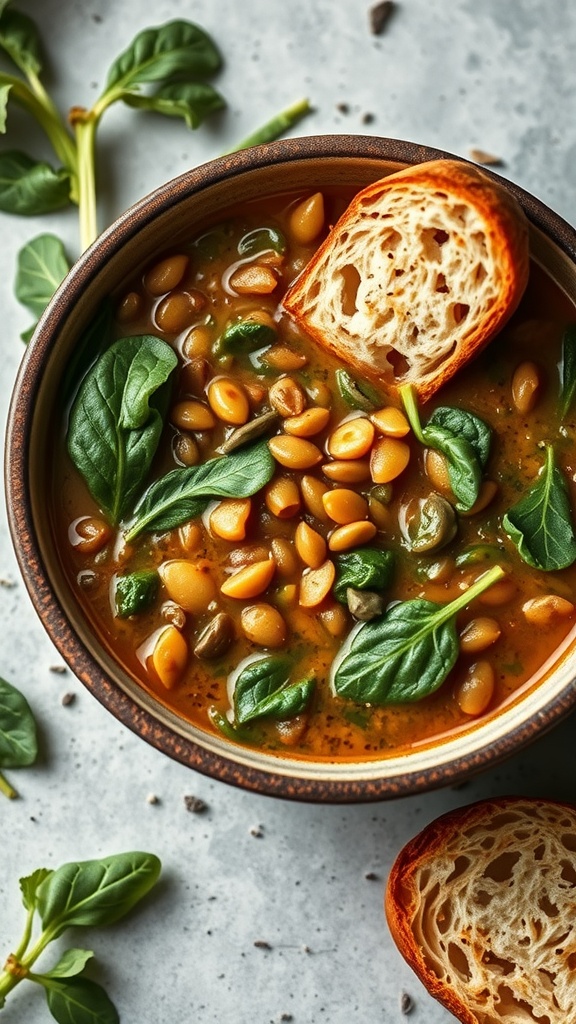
x: 364, y: 604
x: 430, y: 523
x: 216, y: 638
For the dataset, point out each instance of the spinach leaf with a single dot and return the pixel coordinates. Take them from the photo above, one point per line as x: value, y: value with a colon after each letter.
x: 262, y: 690
x: 29, y: 886
x: 462, y: 423
x: 78, y: 1001
x: 42, y: 266
x: 245, y: 335
x: 19, y: 38
x: 5, y: 88
x: 357, y: 394
x: 192, y: 101
x: 117, y: 419
x: 72, y: 962
x: 183, y: 494
x: 568, y: 370
x: 18, y: 740
x: 407, y: 654
x: 464, y: 470
x: 363, y: 569
x: 461, y: 436
x: 29, y: 187
x: 135, y: 592
x: 95, y: 892
x: 261, y: 240
x: 540, y: 524
x: 156, y: 54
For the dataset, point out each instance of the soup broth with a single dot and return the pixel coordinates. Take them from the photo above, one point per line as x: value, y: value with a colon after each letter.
x: 238, y: 615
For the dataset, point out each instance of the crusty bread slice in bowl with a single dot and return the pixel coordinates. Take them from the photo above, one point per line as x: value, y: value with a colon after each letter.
x: 420, y: 272
x: 482, y: 904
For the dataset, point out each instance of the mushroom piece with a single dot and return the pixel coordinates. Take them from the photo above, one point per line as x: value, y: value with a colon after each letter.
x: 430, y: 523
x: 249, y: 432
x: 364, y: 604
x: 216, y: 637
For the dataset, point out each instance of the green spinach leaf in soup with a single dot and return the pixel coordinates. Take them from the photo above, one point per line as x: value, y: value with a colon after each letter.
x: 183, y: 494
x: 364, y: 569
x: 462, y: 437
x: 117, y: 419
x: 568, y: 371
x: 407, y: 653
x: 540, y: 524
x: 263, y: 690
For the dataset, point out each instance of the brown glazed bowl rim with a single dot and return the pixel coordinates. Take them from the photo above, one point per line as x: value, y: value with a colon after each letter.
x: 277, y: 776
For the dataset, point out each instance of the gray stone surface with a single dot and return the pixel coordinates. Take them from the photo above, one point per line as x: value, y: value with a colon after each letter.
x: 305, y: 880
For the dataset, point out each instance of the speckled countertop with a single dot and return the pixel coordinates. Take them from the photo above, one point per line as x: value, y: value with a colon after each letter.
x: 268, y: 911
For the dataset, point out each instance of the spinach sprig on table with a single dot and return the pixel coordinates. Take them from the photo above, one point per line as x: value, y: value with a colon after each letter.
x: 88, y: 893
x: 164, y: 70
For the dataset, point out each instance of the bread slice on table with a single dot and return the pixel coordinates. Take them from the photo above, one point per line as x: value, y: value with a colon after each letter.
x: 482, y: 905
x: 420, y: 272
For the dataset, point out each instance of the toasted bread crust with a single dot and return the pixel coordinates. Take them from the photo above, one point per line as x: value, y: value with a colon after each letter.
x: 482, y: 905
x: 401, y: 325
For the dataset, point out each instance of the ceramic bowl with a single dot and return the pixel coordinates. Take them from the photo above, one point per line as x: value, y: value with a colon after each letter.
x: 153, y: 224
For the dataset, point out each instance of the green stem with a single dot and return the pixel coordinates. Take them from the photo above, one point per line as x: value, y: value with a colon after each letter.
x: 410, y: 402
x: 7, y: 789
x: 42, y: 109
x: 54, y: 126
x: 276, y: 127
x: 85, y: 129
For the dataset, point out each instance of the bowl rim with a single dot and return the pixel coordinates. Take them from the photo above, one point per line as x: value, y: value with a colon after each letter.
x: 23, y: 532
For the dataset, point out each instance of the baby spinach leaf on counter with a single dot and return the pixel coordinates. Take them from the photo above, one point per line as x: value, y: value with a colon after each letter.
x: 357, y: 394
x: 29, y: 886
x: 42, y: 266
x: 407, y: 654
x: 117, y: 419
x: 18, y: 738
x: 72, y: 962
x: 95, y: 892
x: 135, y: 592
x: 178, y: 47
x: 540, y: 524
x: 192, y: 101
x: 262, y: 690
x: 262, y: 240
x: 30, y: 187
x: 18, y: 741
x: 246, y: 335
x: 78, y: 1001
x: 568, y: 371
x: 20, y: 39
x: 363, y: 569
x: 463, y: 439
x: 82, y: 893
x: 183, y: 494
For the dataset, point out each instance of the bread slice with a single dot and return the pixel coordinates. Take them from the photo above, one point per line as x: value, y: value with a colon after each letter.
x: 482, y: 904
x: 420, y: 272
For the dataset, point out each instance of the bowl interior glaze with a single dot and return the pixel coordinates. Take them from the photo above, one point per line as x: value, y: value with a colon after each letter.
x: 168, y: 217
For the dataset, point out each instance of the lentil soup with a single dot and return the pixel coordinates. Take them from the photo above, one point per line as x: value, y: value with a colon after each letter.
x: 253, y: 604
